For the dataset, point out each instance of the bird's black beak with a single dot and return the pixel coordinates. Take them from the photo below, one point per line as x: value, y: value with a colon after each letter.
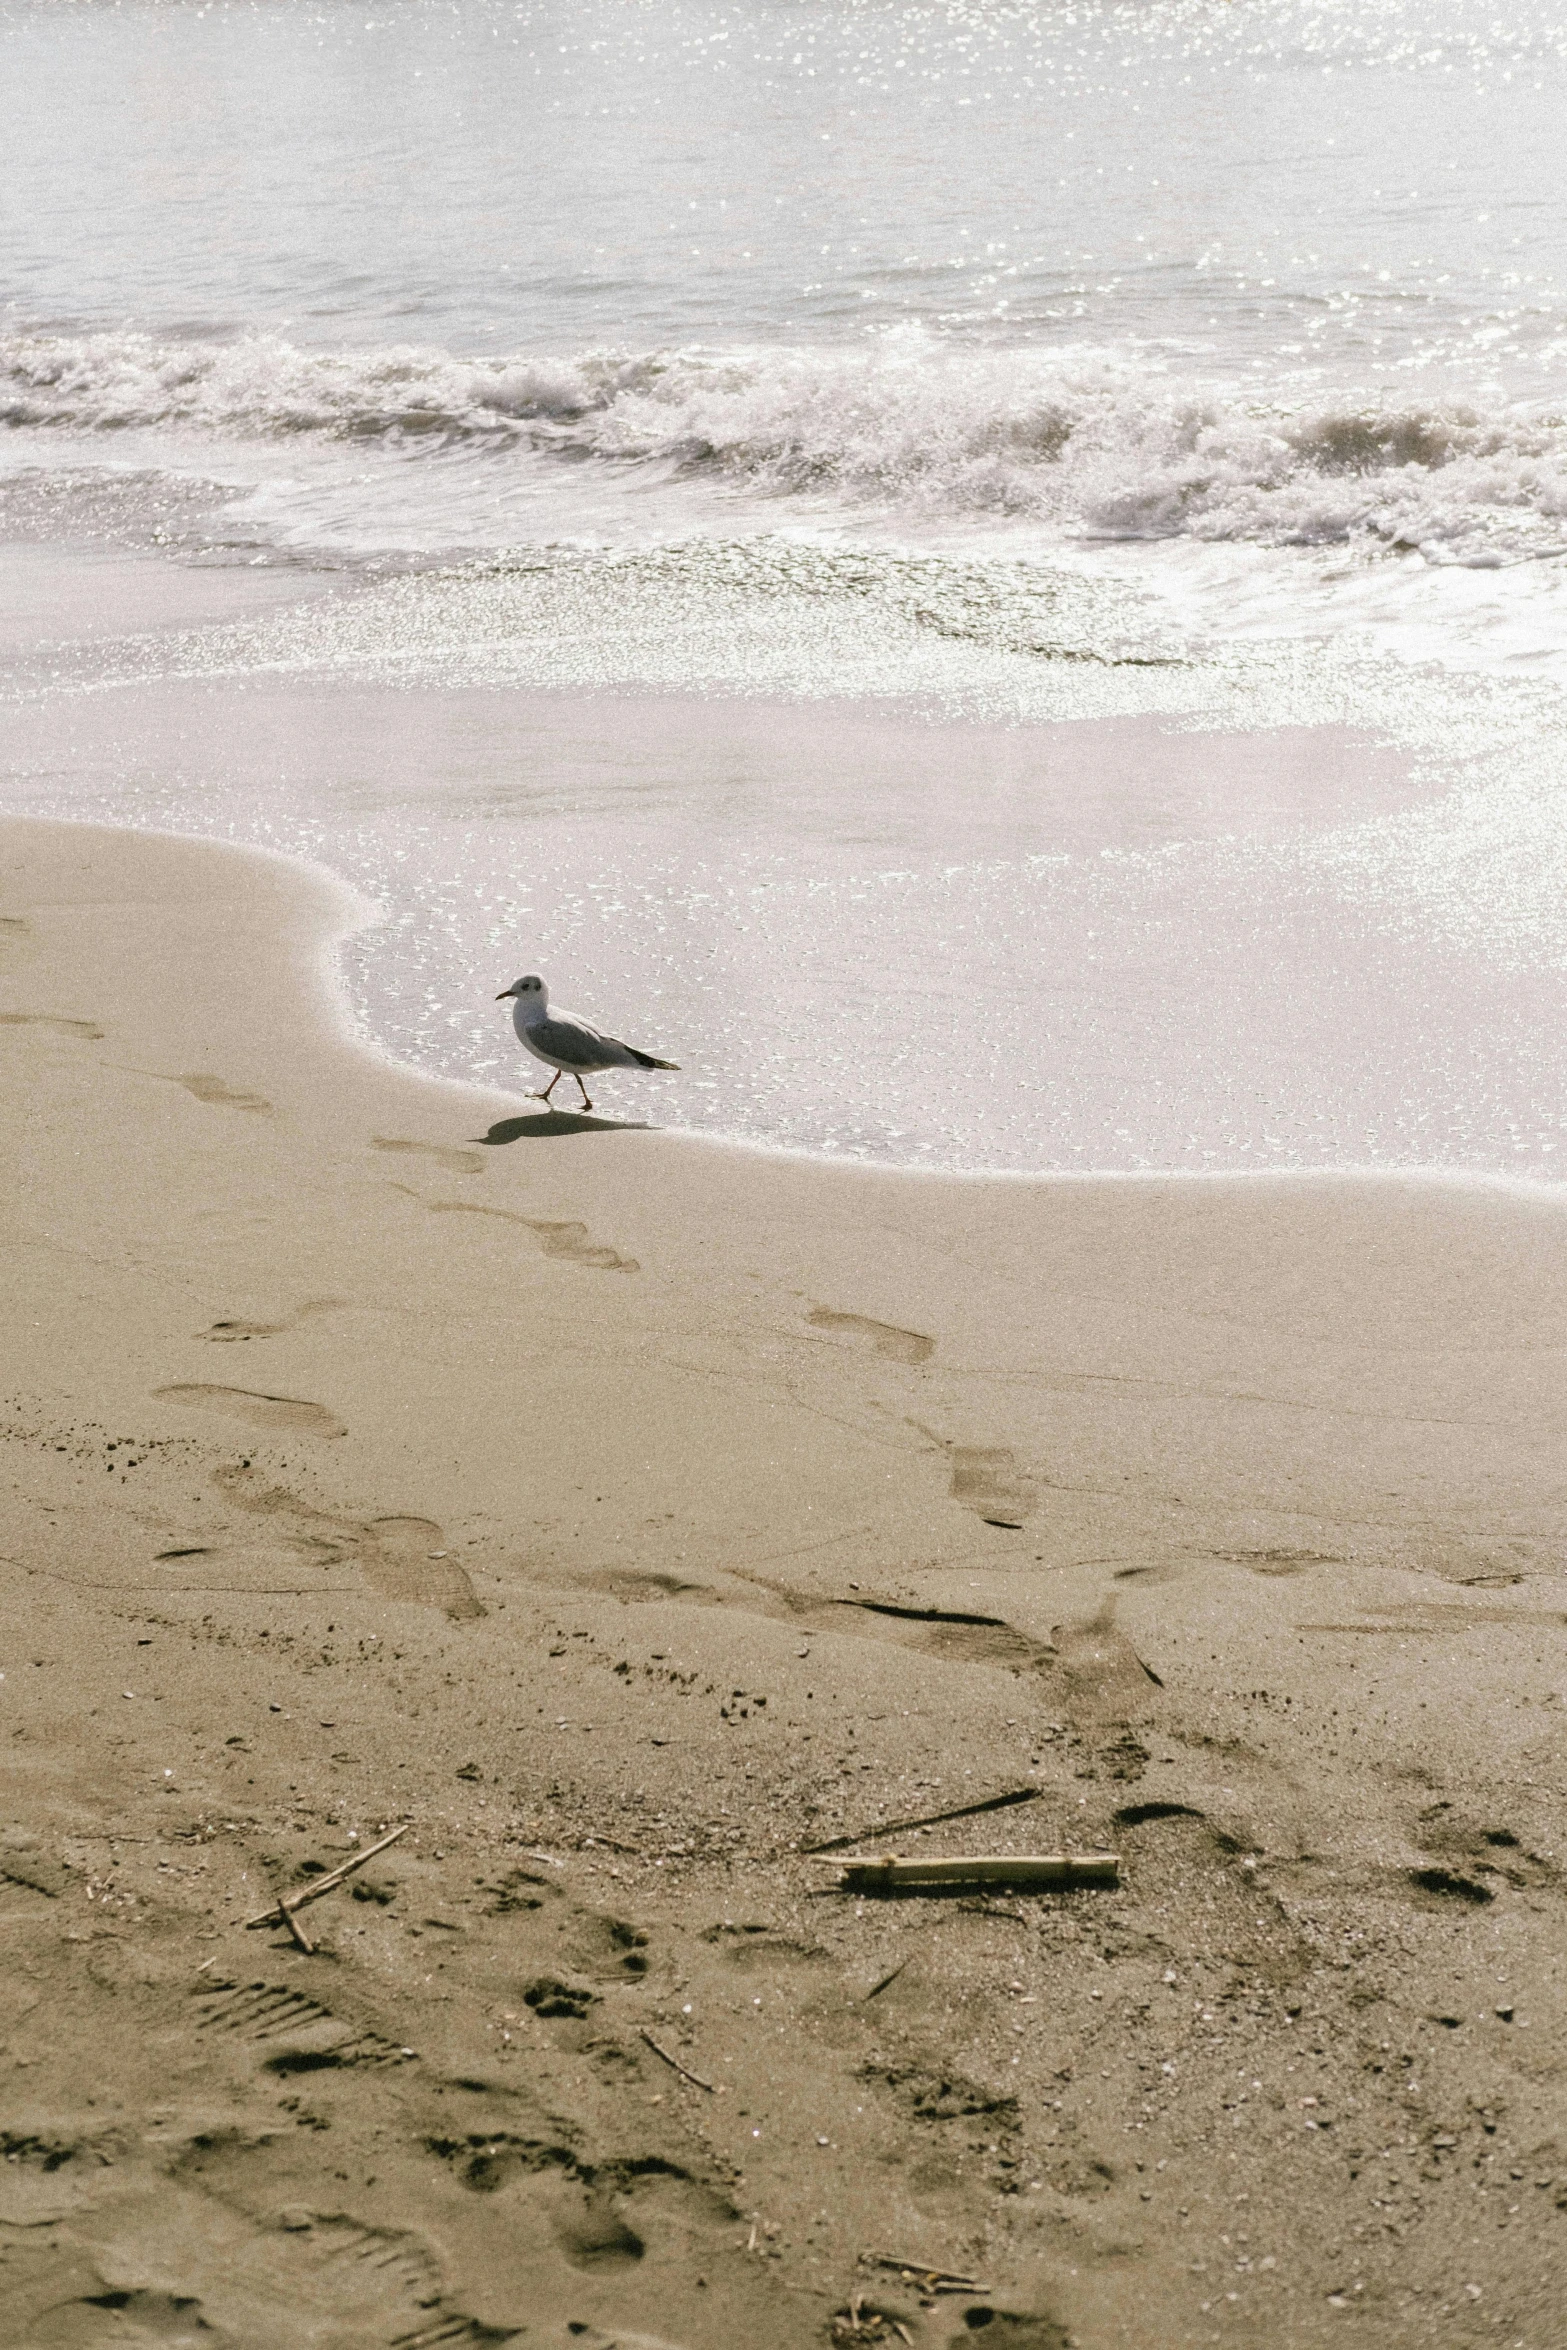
x: 505, y: 992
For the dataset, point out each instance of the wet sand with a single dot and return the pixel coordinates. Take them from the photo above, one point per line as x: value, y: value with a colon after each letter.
x: 628, y: 1514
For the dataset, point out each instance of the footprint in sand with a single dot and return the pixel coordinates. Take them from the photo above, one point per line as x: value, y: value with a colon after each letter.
x: 955, y: 1636
x: 986, y: 1478
x: 220, y: 1094
x: 899, y: 1346
x: 1103, y: 1667
x: 315, y: 2264
x: 1474, y: 1847
x: 1278, y: 1561
x: 571, y: 1241
x: 230, y: 1333
x: 402, y: 1558
x: 406, y: 1558
x: 290, y: 1413
x: 591, y: 2232
x: 458, y: 1162
x: 87, y: 1030
x: 637, y: 1584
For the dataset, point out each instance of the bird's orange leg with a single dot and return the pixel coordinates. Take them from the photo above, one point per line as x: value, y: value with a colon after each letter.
x: 582, y: 1089
x: 550, y: 1088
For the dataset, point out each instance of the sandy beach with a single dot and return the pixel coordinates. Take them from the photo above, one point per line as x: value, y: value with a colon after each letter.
x: 628, y: 1514
x: 987, y: 586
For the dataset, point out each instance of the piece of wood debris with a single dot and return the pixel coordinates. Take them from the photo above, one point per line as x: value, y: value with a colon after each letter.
x: 967, y: 1873
x: 297, y: 1930
x: 283, y: 1913
x: 857, y: 2324
x: 675, y: 2065
x: 934, y: 2280
x: 888, y: 1979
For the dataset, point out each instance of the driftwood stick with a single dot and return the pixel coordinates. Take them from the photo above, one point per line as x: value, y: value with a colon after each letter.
x: 283, y: 1913
x: 296, y: 1929
x: 676, y: 2066
x: 966, y: 1875
x: 937, y: 2280
x: 929, y: 1819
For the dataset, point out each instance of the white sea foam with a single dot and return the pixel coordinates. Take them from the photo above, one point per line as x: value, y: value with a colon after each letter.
x: 1085, y: 445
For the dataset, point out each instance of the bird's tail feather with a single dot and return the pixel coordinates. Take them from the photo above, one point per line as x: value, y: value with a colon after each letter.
x: 646, y: 1060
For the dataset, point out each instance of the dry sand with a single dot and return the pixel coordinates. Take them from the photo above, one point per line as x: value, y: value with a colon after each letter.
x: 626, y: 1514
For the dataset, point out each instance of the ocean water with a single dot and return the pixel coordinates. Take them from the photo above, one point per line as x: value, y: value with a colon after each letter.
x: 991, y: 578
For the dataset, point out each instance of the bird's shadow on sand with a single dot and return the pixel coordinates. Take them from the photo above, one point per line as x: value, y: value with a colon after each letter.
x: 550, y: 1125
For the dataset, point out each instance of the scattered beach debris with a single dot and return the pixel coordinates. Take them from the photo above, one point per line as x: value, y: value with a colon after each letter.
x: 857, y: 2323
x: 929, y: 1819
x: 282, y: 1912
x: 966, y: 1873
x: 929, y: 2279
x: 676, y: 2066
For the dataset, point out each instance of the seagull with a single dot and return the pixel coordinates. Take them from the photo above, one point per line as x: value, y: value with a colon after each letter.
x: 565, y: 1042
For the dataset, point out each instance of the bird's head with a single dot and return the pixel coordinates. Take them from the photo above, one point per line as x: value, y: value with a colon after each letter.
x: 530, y: 990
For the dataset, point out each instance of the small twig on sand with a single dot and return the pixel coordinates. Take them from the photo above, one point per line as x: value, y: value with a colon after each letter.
x: 935, y: 2280
x: 989, y: 1909
x: 629, y: 1850
x: 297, y: 1930
x: 929, y: 1819
x: 283, y: 1913
x: 877, y: 1989
x: 676, y: 2066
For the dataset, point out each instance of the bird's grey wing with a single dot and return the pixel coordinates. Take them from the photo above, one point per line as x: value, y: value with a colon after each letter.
x: 578, y: 1045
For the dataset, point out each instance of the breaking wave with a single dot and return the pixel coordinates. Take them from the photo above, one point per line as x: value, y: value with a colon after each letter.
x: 1095, y: 446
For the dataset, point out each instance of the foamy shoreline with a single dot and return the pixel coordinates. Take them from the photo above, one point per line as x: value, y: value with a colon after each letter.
x: 343, y: 914
x: 1250, y: 913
